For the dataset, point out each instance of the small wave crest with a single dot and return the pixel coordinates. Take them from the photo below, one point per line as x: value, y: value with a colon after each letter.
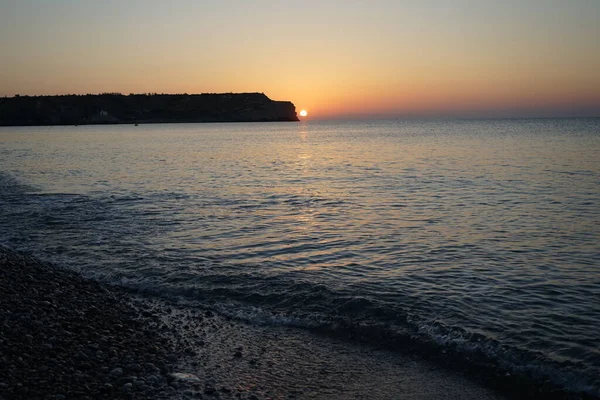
x: 11, y: 185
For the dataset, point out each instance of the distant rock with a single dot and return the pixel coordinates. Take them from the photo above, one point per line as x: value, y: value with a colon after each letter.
x: 115, y: 108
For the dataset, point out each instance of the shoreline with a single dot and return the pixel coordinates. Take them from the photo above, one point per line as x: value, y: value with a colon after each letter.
x: 67, y: 337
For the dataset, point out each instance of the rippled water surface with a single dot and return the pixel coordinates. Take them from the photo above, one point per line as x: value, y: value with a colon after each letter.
x: 479, y: 235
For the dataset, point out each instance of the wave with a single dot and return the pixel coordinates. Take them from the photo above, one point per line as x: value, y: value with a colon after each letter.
x: 10, y: 185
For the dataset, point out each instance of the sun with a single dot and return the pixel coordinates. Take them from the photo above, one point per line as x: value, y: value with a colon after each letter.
x: 303, y: 113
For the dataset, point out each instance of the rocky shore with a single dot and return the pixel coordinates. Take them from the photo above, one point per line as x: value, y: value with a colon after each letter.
x: 64, y: 337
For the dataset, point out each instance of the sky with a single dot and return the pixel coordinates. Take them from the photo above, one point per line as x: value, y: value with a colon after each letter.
x: 334, y: 58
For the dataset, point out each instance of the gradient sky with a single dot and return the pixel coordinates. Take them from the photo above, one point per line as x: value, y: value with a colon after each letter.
x: 333, y: 58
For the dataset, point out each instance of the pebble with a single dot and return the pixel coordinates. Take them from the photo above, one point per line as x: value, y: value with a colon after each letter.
x: 209, y: 390
x: 151, y: 367
x: 171, y: 358
x: 185, y: 377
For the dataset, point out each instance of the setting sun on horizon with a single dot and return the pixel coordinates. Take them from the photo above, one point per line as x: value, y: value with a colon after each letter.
x: 344, y: 59
x: 303, y: 113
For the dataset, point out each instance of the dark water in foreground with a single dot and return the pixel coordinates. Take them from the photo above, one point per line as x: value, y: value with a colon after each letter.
x: 478, y: 236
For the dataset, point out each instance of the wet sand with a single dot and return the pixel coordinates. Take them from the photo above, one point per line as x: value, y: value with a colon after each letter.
x: 284, y: 362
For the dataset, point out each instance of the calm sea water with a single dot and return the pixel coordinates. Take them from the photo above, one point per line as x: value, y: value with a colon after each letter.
x: 479, y: 236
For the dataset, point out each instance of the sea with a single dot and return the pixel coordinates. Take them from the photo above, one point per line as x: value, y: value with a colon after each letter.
x: 477, y: 238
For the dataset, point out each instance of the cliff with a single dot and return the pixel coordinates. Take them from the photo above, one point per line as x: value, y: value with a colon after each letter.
x: 115, y: 108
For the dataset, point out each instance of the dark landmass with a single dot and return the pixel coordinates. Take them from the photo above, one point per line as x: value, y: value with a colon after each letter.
x: 115, y: 108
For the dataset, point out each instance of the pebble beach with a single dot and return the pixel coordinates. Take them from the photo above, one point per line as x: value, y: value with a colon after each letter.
x: 64, y: 337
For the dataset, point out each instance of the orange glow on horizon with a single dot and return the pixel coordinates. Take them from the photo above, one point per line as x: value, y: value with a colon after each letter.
x: 359, y: 60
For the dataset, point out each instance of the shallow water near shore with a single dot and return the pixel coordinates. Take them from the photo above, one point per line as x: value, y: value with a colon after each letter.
x: 277, y: 362
x: 480, y: 237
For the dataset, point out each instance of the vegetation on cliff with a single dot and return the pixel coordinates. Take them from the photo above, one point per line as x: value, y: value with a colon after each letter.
x: 116, y: 108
